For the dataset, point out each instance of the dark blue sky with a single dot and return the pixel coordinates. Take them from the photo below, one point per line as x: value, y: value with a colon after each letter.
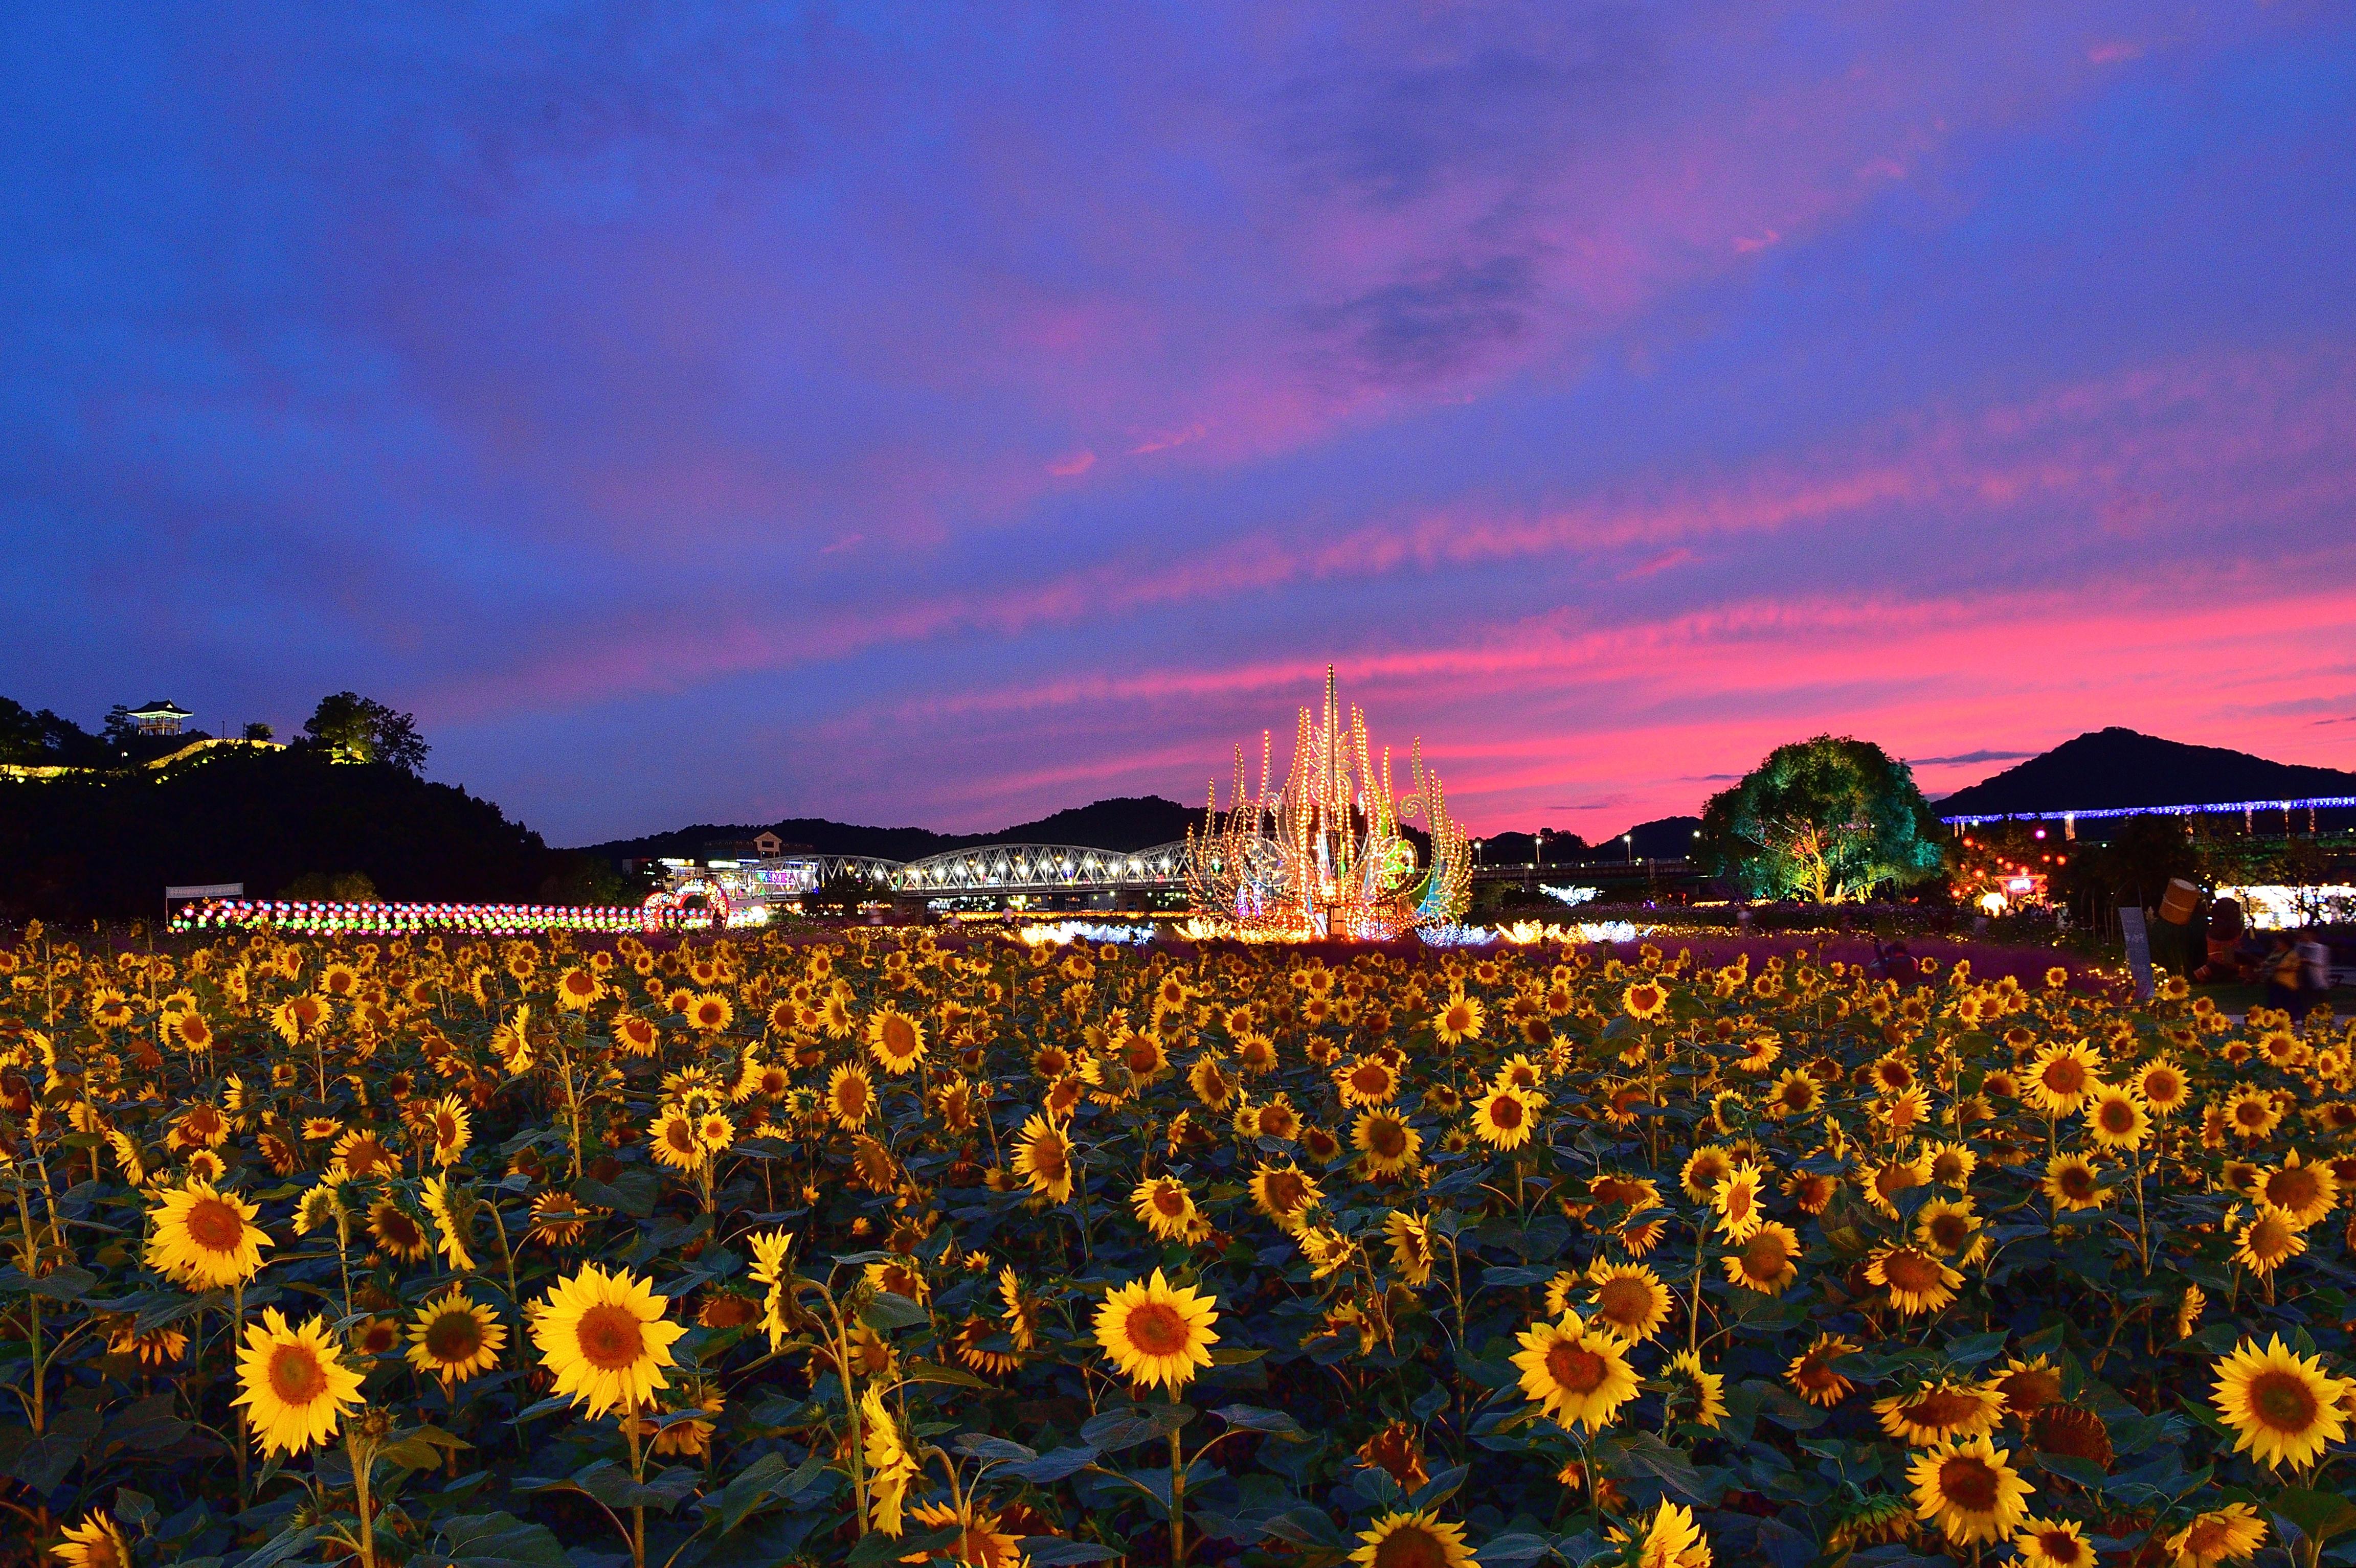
x: 940, y: 414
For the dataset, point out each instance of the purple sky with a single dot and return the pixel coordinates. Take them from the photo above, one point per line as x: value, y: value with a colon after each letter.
x: 943, y: 416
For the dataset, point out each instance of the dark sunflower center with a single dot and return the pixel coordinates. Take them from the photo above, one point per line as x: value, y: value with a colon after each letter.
x: 1940, y: 1410
x: 1156, y: 1329
x: 2293, y: 1189
x: 215, y: 1224
x: 295, y: 1375
x: 1576, y: 1369
x: 1385, y: 1137
x: 1969, y: 1483
x: 1910, y: 1270
x: 1505, y: 1112
x: 453, y: 1336
x: 610, y: 1337
x: 1625, y: 1300
x: 1411, y: 1546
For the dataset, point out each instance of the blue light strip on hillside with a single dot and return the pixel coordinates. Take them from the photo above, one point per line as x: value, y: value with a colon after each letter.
x: 2215, y: 808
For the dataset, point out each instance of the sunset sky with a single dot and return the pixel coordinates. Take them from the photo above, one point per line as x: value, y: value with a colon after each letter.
x: 935, y: 415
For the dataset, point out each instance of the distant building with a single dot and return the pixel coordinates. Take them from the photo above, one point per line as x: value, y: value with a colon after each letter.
x: 159, y: 717
x: 765, y: 845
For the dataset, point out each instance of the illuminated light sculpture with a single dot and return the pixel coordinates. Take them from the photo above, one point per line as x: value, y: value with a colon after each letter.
x: 1326, y: 857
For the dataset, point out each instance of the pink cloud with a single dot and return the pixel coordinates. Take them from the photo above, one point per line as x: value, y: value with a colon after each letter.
x: 1071, y: 468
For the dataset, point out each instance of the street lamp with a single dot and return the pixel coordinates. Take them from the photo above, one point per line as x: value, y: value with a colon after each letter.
x: 1630, y: 840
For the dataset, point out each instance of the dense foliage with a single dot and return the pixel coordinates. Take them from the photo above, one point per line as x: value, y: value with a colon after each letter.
x: 107, y: 845
x: 1824, y: 819
x: 874, y: 1249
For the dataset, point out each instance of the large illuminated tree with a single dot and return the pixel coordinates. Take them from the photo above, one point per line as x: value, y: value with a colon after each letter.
x: 1825, y: 819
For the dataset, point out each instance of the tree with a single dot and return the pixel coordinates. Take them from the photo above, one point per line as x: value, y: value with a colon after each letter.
x: 43, y: 740
x: 355, y: 729
x: 1824, y: 819
x: 257, y: 730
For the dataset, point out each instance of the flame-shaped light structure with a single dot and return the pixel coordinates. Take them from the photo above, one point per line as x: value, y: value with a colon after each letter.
x: 1325, y: 857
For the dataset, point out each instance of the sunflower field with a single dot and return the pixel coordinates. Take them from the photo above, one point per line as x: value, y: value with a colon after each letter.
x: 878, y: 1247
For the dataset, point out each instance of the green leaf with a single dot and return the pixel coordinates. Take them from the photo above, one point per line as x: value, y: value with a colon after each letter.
x: 2319, y: 1515
x: 891, y: 1311
x: 279, y: 1548
x: 1973, y: 1349
x: 1114, y: 1429
x: 633, y: 1192
x: 501, y: 1541
x: 1252, y: 1418
x: 739, y: 1500
x: 1049, y: 1468
x: 43, y: 1462
x: 956, y: 1377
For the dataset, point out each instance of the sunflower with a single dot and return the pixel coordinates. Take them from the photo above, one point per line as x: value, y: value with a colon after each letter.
x: 1672, y: 1540
x: 2163, y: 1085
x: 1211, y: 1084
x: 2229, y: 1534
x: 96, y: 1542
x: 1948, y: 1227
x: 1409, y: 1236
x: 1165, y: 1208
x: 1644, y: 1001
x: 1795, y: 1094
x: 1704, y: 1169
x: 1736, y: 1201
x: 896, y: 1040
x: 1504, y: 1118
x: 710, y: 1013
x: 1916, y: 1280
x: 1629, y: 1300
x: 2269, y: 1239
x: 361, y: 1155
x: 1415, y: 1539
x: 398, y: 1232
x: 453, y: 1339
x: 1768, y: 1262
x: 2028, y: 1386
x: 2284, y: 1408
x: 604, y: 1338
x: 205, y: 1239
x: 452, y: 1128
x: 293, y: 1382
x: 850, y: 1097
x: 2251, y: 1113
x: 891, y: 1467
x: 1704, y: 1388
x: 1574, y: 1373
x: 2305, y: 1193
x: 2052, y: 1543
x: 1942, y: 1411
x: 1812, y: 1375
x: 2071, y: 1183
x: 1459, y: 1020
x: 1284, y: 1194
x: 980, y: 1543
x: 1369, y: 1080
x: 1043, y: 1158
x: 1970, y: 1491
x: 194, y: 1033
x: 1156, y: 1335
x: 2060, y: 1077
x: 558, y: 1219
x: 575, y: 989
x: 452, y: 1218
x: 672, y: 1138
x: 2115, y: 1118
x: 1389, y: 1144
